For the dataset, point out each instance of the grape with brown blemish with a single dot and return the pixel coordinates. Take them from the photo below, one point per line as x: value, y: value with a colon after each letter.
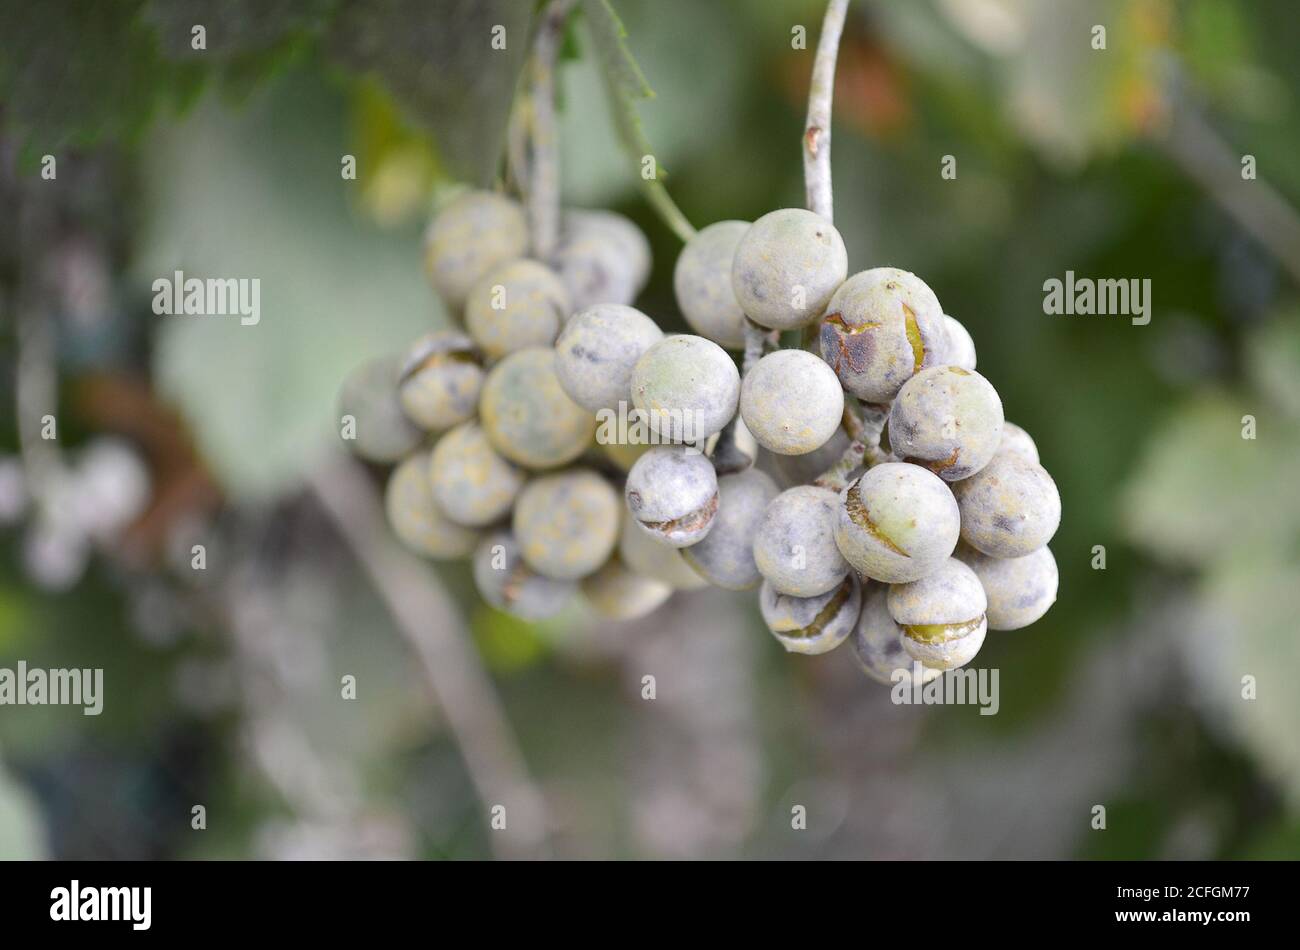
x: 880, y: 328
x: 672, y: 493
x: 897, y: 523
x: 441, y: 379
x: 812, y: 625
x: 947, y: 419
x: 942, y: 615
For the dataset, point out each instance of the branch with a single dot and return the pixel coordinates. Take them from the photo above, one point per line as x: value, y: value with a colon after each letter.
x: 544, y: 168
x: 757, y: 342
x: 426, y: 618
x: 864, y: 445
x: 817, y: 130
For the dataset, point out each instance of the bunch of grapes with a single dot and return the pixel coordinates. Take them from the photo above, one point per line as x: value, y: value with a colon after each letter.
x: 867, y: 485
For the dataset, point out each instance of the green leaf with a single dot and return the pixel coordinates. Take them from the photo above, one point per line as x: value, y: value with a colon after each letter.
x: 75, y: 73
x: 1273, y: 357
x: 1254, y: 603
x: 334, y: 290
x: 232, y: 28
x: 625, y: 84
x: 1201, y: 493
x: 437, y: 60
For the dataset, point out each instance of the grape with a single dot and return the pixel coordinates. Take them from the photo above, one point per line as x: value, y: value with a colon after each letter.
x: 441, y: 380
x: 792, y: 402
x: 602, y: 257
x: 948, y: 419
x: 471, y: 483
x: 644, y: 554
x: 567, y: 523
x: 795, y: 546
x: 672, y: 492
x: 506, y: 582
x: 702, y: 284
x: 961, y: 348
x: 416, y: 518
x: 787, y: 265
x: 1017, y: 441
x: 618, y: 593
x: 1009, y: 508
x: 878, y: 642
x: 596, y: 351
x: 942, y: 615
x: 623, y: 454
x: 473, y: 234
x: 687, y: 387
x: 1019, y: 589
x: 897, y: 523
x: 882, y: 326
x: 382, y: 431
x: 528, y: 417
x: 800, y: 469
x: 516, y: 305
x: 812, y: 625
x: 725, y: 558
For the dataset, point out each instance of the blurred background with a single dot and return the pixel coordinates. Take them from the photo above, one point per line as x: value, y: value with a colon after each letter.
x: 1180, y: 544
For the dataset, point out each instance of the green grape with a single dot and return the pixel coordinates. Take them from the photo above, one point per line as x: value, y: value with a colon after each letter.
x: 473, y: 234
x: 527, y: 415
x: 517, y: 305
x: 507, y: 583
x: 812, y: 625
x: 672, y: 493
x: 948, y: 419
x: 942, y: 615
x: 649, y: 557
x: 687, y: 387
x: 1019, y: 589
x: 786, y: 267
x: 1018, y: 442
x: 702, y: 284
x: 471, y: 483
x: 416, y: 518
x: 791, y: 402
x: 618, y: 593
x: 372, y: 414
x: 1009, y: 508
x: 725, y: 557
x: 961, y: 348
x: 440, y: 380
x: 596, y: 351
x: 795, y: 548
x: 897, y: 523
x: 567, y: 523
x: 878, y: 642
x: 882, y: 326
x: 602, y: 257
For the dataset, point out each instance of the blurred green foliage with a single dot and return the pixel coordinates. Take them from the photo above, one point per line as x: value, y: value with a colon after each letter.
x: 1060, y: 167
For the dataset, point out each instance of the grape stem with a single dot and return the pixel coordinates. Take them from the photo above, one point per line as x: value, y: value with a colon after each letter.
x: 543, y: 169
x: 817, y: 130
x: 863, y: 450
